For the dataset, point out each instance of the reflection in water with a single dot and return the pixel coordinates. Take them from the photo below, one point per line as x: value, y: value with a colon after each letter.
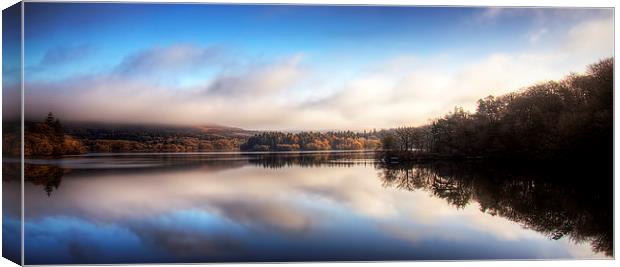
x: 48, y: 176
x: 11, y: 209
x: 304, y: 207
x: 340, y: 159
x: 557, y: 203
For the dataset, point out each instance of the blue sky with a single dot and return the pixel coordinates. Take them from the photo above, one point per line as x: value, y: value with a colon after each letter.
x: 308, y: 61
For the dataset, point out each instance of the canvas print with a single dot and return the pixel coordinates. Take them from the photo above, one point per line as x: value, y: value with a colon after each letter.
x: 201, y: 133
x: 11, y: 134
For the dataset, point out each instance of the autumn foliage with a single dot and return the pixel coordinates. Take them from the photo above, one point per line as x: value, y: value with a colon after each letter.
x: 48, y: 138
x: 279, y: 141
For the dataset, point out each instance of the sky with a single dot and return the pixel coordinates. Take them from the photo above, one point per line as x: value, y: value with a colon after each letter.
x: 291, y: 67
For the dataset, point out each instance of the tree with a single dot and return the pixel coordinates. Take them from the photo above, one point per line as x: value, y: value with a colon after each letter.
x: 389, y: 142
x: 546, y: 121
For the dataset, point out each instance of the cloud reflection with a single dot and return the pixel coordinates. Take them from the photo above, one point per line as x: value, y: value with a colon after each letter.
x: 203, y: 214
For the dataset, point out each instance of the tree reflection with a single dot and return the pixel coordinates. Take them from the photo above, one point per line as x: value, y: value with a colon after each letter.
x: 49, y: 176
x: 276, y: 160
x: 572, y: 201
x: 558, y: 202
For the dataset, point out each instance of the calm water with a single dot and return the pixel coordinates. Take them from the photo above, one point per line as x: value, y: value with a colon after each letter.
x: 307, y: 207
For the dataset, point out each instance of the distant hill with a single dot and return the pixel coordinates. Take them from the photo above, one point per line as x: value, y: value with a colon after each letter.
x: 115, y: 137
x: 117, y: 131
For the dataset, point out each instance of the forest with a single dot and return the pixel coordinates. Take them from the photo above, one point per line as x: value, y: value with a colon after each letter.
x: 343, y: 140
x: 157, y: 138
x: 48, y: 138
x: 567, y: 119
x: 51, y: 138
x: 570, y: 118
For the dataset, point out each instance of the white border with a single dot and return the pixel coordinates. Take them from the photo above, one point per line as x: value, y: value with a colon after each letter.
x: 549, y: 3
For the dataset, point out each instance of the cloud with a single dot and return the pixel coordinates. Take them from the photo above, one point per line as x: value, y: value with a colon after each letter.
x: 117, y: 96
x: 186, y: 234
x: 491, y: 13
x: 412, y: 98
x: 64, y: 55
x: 266, y: 79
x: 265, y: 214
x: 169, y: 60
x: 292, y: 92
x: 540, y: 16
x: 595, y: 37
x: 193, y: 211
x: 57, y: 59
x: 428, y: 88
x: 537, y: 35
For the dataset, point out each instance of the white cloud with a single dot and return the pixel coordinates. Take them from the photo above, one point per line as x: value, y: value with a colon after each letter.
x: 537, y: 35
x: 432, y: 87
x: 267, y: 79
x: 169, y: 60
x: 594, y: 37
x: 227, y: 99
x: 277, y: 94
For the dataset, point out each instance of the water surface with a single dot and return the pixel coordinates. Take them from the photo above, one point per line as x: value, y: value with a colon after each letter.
x: 307, y: 207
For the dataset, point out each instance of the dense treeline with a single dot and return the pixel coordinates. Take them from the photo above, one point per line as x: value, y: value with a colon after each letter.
x: 551, y: 120
x: 51, y: 139
x: 48, y: 138
x: 123, y: 138
x: 170, y: 144
x: 279, y: 141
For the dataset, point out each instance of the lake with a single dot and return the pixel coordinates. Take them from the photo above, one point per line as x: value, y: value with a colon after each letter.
x: 232, y: 207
